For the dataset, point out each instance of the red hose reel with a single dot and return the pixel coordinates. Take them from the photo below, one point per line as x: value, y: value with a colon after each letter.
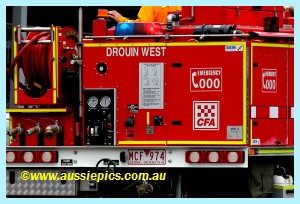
x: 36, y: 59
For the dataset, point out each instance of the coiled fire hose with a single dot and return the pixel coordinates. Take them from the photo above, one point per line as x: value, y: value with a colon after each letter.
x: 36, y: 62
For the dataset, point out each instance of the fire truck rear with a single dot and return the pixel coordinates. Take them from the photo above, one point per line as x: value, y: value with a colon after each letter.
x: 202, y: 106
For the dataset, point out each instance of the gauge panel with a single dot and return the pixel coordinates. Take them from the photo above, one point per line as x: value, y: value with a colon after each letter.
x: 99, y: 117
x: 92, y: 101
x: 105, y: 101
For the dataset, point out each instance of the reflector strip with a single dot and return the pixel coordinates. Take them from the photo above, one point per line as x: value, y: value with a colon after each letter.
x: 16, y: 74
x: 142, y: 142
x: 56, y: 61
x: 274, y: 112
x: 54, y: 64
x: 161, y: 44
x: 280, y: 112
x: 284, y: 187
x: 125, y: 44
x: 253, y: 111
x: 54, y: 95
x: 274, y: 151
x: 271, y: 45
x: 183, y: 142
x: 10, y: 127
x: 36, y: 110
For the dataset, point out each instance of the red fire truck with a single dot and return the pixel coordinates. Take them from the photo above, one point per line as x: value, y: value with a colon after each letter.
x: 205, y: 101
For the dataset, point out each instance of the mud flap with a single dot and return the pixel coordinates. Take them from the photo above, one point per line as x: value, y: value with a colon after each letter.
x: 261, y: 180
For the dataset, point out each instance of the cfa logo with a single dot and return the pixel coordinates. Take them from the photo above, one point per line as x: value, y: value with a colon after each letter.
x: 206, y: 115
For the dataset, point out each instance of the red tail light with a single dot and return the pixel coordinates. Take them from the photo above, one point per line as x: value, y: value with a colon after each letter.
x: 193, y: 157
x: 31, y: 157
x: 234, y: 157
x: 214, y: 157
x: 28, y: 157
x: 12, y: 157
x: 48, y: 156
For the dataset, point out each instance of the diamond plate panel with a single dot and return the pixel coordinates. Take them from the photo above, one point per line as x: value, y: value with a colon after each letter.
x: 20, y: 187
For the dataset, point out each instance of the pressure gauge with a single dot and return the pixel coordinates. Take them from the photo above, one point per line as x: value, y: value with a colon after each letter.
x: 92, y: 101
x: 105, y: 101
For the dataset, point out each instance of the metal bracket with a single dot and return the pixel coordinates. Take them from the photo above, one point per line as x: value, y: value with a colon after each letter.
x: 39, y: 29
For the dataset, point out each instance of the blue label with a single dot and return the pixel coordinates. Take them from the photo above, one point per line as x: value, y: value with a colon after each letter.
x: 233, y: 48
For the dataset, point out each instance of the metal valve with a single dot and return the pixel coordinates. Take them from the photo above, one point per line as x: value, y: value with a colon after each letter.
x: 148, y: 188
x: 143, y: 189
x: 16, y: 131
x: 53, y: 129
x: 34, y: 130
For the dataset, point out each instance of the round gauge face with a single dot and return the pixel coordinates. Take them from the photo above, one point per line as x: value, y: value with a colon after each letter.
x: 92, y: 101
x: 105, y: 101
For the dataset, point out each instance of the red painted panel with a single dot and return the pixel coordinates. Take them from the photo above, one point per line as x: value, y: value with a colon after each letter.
x: 291, y: 132
x: 24, y: 99
x: 29, y: 120
x: 123, y: 73
x: 269, y: 132
x: 273, y: 86
x: 290, y: 77
x: 269, y: 76
x: 205, y: 94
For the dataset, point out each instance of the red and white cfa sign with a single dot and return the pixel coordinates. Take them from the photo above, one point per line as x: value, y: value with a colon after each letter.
x: 206, y: 115
x: 206, y: 79
x: 269, y: 80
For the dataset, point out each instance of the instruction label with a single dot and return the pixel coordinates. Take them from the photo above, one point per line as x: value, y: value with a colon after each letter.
x: 66, y: 162
x: 234, y: 132
x: 151, y: 80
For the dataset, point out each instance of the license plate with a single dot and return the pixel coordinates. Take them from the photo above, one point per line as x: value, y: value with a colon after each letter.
x: 147, y: 157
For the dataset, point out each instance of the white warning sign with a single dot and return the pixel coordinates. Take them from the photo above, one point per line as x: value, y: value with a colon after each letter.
x: 269, y: 80
x: 206, y: 115
x: 206, y: 79
x: 151, y: 81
